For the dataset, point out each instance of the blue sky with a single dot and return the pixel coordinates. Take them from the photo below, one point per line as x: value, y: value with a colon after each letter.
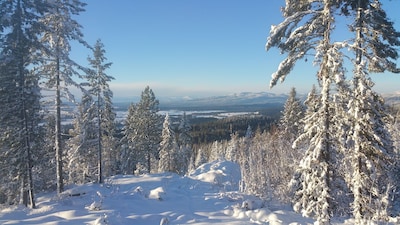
x: 196, y: 48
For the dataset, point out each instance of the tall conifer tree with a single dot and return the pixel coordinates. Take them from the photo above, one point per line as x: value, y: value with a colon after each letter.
x: 82, y: 143
x: 19, y: 96
x: 307, y: 27
x: 185, y: 144
x: 291, y: 120
x: 142, y: 132
x: 371, y: 145
x: 168, y: 149
x: 58, y: 69
x: 331, y: 130
x: 102, y: 108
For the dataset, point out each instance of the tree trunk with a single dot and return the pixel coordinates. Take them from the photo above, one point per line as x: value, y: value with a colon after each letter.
x: 26, y: 147
x: 149, y: 161
x: 325, y: 95
x: 23, y: 195
x: 357, y: 192
x: 58, y: 144
x: 28, y: 156
x: 99, y: 162
x: 29, y: 172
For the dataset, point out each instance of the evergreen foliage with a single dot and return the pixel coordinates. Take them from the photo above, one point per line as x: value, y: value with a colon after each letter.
x: 19, y: 98
x: 168, y: 149
x: 58, y: 69
x: 101, y: 109
x: 185, y: 144
x: 82, y: 144
x: 43, y: 170
x: 184, y: 128
x: 290, y: 122
x: 233, y: 148
x: 338, y: 127
x: 142, y: 133
x: 223, y: 128
x: 371, y: 145
x: 314, y: 173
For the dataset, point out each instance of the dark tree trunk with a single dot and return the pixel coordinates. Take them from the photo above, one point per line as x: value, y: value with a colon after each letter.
x: 58, y: 144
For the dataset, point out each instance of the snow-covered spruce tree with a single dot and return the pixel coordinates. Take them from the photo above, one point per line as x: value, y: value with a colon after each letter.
x: 290, y: 126
x: 312, y: 105
x: 57, y: 68
x: 371, y: 146
x: 307, y: 28
x: 201, y: 158
x: 109, y: 141
x: 81, y: 155
x: 129, y: 154
x: 19, y: 98
x: 257, y: 180
x: 312, y: 102
x: 168, y: 149
x: 142, y: 132
x: 395, y: 129
x: 217, y: 152
x: 244, y: 161
x: 232, y: 148
x: 395, y: 134
x: 184, y: 128
x: 290, y: 122
x: 339, y: 131
x: 101, y: 108
x: 184, y: 143
x: 45, y: 165
x: 316, y: 174
x: 371, y: 155
x: 279, y: 160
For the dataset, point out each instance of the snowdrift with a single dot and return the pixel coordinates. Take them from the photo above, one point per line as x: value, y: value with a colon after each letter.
x: 207, y: 196
x: 223, y: 174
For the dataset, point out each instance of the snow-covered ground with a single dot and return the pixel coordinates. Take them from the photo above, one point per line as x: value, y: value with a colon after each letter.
x: 208, y: 196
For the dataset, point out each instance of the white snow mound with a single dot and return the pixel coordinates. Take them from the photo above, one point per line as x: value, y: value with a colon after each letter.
x: 224, y: 174
x: 157, y: 193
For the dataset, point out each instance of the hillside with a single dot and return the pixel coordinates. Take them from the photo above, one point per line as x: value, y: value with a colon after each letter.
x: 207, y: 196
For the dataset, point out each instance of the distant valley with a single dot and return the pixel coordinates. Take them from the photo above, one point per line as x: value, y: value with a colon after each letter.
x: 215, y: 107
x: 218, y: 107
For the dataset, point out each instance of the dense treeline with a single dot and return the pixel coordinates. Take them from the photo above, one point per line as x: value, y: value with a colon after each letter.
x: 222, y: 129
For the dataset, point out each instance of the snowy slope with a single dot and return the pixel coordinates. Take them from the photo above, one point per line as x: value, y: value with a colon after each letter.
x: 207, y: 196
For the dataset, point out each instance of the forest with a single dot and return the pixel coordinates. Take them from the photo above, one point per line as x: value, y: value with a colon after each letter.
x: 222, y: 129
x: 336, y: 153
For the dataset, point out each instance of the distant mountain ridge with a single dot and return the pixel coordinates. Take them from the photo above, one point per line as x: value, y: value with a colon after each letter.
x: 231, y: 100
x: 392, y: 99
x: 244, y: 98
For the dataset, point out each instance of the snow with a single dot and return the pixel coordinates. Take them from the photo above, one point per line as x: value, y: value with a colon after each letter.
x: 207, y: 196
